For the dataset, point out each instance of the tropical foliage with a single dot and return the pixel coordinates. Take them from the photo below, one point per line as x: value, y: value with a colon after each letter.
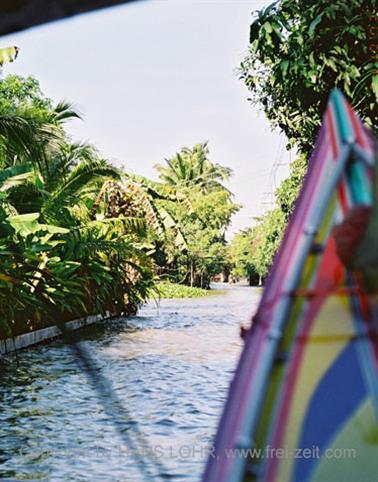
x: 79, y: 236
x: 251, y: 251
x: 192, y: 168
x: 299, y: 51
x: 174, y: 290
x: 203, y: 219
x: 8, y: 54
x: 60, y: 256
x: 241, y: 257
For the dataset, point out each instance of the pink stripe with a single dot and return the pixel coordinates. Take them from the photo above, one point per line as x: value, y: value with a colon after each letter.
x: 236, y: 411
x: 332, y: 132
x: 251, y: 354
x: 241, y: 391
x: 356, y: 123
x: 324, y: 281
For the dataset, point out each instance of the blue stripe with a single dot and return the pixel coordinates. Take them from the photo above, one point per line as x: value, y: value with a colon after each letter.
x: 335, y: 399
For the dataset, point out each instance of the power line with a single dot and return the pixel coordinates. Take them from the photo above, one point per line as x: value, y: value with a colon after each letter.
x: 267, y: 201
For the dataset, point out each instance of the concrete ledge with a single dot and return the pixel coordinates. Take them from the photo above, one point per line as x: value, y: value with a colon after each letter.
x: 34, y: 337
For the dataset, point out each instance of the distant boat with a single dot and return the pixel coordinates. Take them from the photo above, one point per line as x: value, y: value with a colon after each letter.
x: 303, y: 405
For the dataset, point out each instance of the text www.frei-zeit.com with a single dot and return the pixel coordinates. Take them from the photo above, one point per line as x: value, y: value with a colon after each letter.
x: 268, y: 452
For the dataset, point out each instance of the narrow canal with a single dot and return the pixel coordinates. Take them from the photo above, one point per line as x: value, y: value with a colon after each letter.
x: 170, y: 366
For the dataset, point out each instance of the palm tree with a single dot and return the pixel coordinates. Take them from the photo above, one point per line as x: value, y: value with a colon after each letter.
x: 59, y: 260
x: 192, y: 167
x: 25, y: 138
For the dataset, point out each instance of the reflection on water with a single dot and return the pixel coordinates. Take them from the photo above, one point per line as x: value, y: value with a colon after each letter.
x: 170, y: 366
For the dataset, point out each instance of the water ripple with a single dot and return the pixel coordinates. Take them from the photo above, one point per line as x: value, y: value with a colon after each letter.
x: 170, y: 366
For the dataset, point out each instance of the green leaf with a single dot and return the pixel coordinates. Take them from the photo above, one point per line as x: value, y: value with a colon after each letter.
x: 314, y: 24
x: 267, y: 27
x: 8, y: 54
x: 12, y: 171
x: 6, y: 230
x: 25, y: 224
x: 374, y: 86
x: 331, y: 63
x: 284, y: 66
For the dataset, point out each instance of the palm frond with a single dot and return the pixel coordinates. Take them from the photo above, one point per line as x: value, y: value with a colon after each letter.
x: 121, y: 225
x: 192, y: 168
x: 92, y: 239
x: 16, y: 181
x: 26, y: 140
x: 64, y: 111
x: 78, y: 178
x: 11, y: 171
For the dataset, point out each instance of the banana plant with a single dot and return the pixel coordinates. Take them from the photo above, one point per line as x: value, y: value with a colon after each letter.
x: 8, y: 54
x: 135, y: 196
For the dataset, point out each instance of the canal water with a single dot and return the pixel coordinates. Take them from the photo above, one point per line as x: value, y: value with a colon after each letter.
x: 170, y: 367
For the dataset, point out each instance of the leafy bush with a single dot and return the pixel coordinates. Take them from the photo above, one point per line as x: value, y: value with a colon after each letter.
x: 174, y: 290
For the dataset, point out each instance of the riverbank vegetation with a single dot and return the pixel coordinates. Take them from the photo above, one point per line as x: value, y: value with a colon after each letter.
x: 80, y: 236
x: 169, y: 290
x: 203, y: 219
x: 298, y: 53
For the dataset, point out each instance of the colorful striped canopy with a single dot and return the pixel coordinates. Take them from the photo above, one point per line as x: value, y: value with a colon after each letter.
x: 303, y: 405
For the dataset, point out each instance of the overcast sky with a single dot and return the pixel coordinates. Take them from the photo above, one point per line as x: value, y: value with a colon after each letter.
x: 155, y: 75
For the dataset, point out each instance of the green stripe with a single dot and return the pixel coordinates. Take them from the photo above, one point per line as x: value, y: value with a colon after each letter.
x: 343, y: 125
x: 359, y: 184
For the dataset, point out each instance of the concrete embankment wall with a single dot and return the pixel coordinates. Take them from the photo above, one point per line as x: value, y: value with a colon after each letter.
x: 34, y: 337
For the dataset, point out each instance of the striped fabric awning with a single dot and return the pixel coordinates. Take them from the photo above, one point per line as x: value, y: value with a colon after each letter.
x: 303, y: 406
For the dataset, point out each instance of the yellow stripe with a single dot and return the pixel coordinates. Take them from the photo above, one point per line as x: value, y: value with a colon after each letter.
x: 354, y: 450
x: 334, y: 323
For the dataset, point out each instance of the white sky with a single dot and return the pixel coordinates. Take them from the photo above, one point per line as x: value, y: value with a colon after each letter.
x: 155, y: 75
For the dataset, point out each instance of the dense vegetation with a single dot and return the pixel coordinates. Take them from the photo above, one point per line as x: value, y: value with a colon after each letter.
x: 79, y: 236
x: 203, y: 222
x: 299, y: 51
x: 174, y: 290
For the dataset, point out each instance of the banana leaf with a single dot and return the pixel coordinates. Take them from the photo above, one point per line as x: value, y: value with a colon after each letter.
x: 8, y: 54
